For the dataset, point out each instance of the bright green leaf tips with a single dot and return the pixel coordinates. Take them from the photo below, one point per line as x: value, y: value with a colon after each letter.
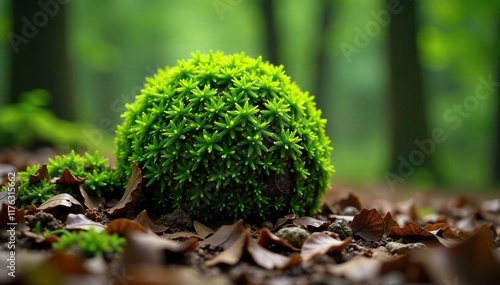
x: 226, y: 137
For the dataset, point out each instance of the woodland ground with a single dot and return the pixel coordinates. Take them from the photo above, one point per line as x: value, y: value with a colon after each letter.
x: 364, y: 235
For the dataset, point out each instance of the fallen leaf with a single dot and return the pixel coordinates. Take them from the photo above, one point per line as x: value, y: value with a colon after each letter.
x: 80, y: 222
x: 142, y: 248
x: 389, y: 223
x: 471, y: 262
x: 368, y: 224
x: 202, y: 230
x: 40, y: 239
x: 281, y: 221
x: 182, y: 235
x: 6, y: 218
x: 41, y: 174
x: 268, y: 240
x: 225, y: 236
x: 360, y: 269
x: 321, y: 243
x: 131, y: 194
x: 337, y: 204
x: 146, y: 222
x: 123, y: 227
x: 311, y: 223
x: 69, y: 180
x: 64, y: 200
x: 172, y: 275
x: 437, y: 232
x: 261, y: 256
x: 92, y: 202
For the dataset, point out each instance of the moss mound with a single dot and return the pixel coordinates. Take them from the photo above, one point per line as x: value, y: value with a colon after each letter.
x: 226, y: 137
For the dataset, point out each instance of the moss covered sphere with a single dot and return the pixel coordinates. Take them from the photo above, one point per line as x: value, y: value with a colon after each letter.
x: 226, y: 137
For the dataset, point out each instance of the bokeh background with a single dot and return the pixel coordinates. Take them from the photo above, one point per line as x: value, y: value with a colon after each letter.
x: 409, y: 88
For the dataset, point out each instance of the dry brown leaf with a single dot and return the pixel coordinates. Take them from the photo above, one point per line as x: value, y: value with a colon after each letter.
x: 321, y: 243
x: 6, y: 218
x: 471, y: 262
x: 146, y: 222
x: 281, y: 221
x: 311, y: 223
x: 92, y: 202
x: 142, y: 248
x: 261, y: 256
x: 69, y: 180
x: 41, y: 174
x: 182, y: 235
x: 40, y: 238
x: 64, y: 200
x: 202, y: 230
x: 131, y: 194
x: 428, y: 234
x: 225, y: 236
x: 232, y: 254
x: 360, y: 269
x: 268, y: 240
x: 368, y: 224
x: 123, y: 227
x: 408, y: 209
x: 268, y: 259
x: 80, y: 222
x: 337, y: 204
x: 389, y: 223
x: 166, y: 275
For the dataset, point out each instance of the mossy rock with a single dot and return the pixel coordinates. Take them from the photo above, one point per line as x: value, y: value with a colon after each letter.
x: 226, y: 137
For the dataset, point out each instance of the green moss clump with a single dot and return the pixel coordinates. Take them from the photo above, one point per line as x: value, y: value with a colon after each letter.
x: 91, y: 243
x: 226, y: 137
x: 101, y: 180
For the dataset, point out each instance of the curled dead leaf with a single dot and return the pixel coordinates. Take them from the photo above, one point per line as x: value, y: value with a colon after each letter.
x: 61, y: 200
x: 321, y: 243
x: 225, y: 236
x: 202, y: 230
x: 69, y: 180
x: 41, y: 174
x: 80, y: 222
x: 92, y: 202
x: 142, y: 248
x: 311, y: 223
x: 268, y: 240
x: 123, y: 227
x: 131, y: 194
x: 260, y: 255
x: 368, y: 224
x: 146, y: 222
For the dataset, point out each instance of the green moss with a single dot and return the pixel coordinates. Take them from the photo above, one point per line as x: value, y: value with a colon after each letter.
x: 226, y: 137
x: 101, y: 180
x: 91, y: 243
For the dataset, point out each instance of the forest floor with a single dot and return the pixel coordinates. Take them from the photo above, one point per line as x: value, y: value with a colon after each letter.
x: 363, y: 235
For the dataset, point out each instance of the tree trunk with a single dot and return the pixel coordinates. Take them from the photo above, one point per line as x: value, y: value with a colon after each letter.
x: 323, y: 73
x: 271, y: 36
x: 496, y: 151
x: 406, y: 97
x: 39, y: 53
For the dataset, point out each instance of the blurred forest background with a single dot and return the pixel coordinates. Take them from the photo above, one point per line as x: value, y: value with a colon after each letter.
x: 409, y: 88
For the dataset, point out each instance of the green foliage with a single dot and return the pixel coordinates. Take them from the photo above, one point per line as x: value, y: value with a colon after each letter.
x: 29, y: 124
x: 101, y: 179
x: 91, y: 242
x: 226, y: 137
x: 35, y: 193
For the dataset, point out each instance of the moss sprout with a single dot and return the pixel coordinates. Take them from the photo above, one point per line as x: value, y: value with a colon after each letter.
x: 226, y: 137
x: 91, y: 243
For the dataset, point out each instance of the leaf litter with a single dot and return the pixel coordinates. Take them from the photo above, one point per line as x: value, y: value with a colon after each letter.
x: 461, y: 238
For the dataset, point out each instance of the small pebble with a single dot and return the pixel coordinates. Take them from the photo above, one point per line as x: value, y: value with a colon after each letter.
x: 267, y: 224
x: 341, y: 228
x: 402, y: 248
x: 350, y: 211
x: 294, y: 236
